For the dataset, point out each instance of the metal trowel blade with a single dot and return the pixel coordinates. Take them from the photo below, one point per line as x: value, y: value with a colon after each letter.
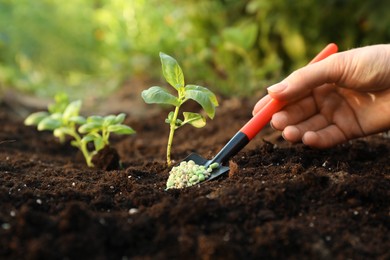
x: 199, y: 160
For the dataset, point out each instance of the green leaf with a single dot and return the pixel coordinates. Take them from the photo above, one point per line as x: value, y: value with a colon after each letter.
x: 80, y: 120
x: 35, y: 118
x: 109, y: 120
x: 61, y: 102
x: 95, y: 119
x: 194, y: 119
x: 172, y: 72
x: 120, y: 129
x: 49, y: 123
x: 294, y: 44
x: 98, y: 143
x: 241, y: 36
x: 72, y: 110
x: 88, y: 138
x: 75, y: 143
x: 204, y: 97
x: 179, y: 123
x: 159, y: 95
x: 60, y: 134
x: 204, y: 90
x: 169, y: 119
x: 57, y: 116
x: 120, y: 118
x: 89, y: 127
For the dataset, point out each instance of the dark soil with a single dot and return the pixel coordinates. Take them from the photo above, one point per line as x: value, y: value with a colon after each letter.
x: 279, y: 201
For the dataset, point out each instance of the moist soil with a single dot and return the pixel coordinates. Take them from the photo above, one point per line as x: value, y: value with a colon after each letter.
x: 279, y: 201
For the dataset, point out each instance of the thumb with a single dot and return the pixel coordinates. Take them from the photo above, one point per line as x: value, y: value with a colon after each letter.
x: 302, y: 81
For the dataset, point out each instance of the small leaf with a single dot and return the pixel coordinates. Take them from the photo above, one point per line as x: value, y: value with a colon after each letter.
x: 120, y: 129
x: 204, y: 97
x: 98, y: 143
x: 109, y: 120
x: 208, y: 92
x: 61, y: 102
x: 241, y: 36
x: 35, y: 118
x: 57, y: 116
x: 169, y: 119
x: 179, y: 122
x: 60, y: 134
x: 95, y: 119
x: 172, y: 72
x: 159, y: 95
x: 89, y: 127
x: 194, y: 119
x: 72, y: 110
x: 88, y: 138
x: 78, y: 120
x: 49, y: 123
x: 120, y: 118
x: 75, y: 143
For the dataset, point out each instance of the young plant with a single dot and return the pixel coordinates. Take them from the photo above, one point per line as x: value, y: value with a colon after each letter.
x: 64, y: 120
x: 173, y: 74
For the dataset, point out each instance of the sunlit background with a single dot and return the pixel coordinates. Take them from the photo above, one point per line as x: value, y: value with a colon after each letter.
x: 234, y: 47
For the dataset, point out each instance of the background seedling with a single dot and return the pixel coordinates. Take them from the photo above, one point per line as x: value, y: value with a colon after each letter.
x: 64, y: 120
x: 158, y: 95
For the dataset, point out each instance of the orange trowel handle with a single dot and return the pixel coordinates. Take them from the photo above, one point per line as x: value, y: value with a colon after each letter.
x: 258, y: 121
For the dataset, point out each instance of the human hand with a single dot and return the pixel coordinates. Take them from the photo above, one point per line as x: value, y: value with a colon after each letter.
x: 342, y: 97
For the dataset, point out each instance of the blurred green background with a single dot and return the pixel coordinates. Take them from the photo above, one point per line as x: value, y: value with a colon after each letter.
x: 233, y: 47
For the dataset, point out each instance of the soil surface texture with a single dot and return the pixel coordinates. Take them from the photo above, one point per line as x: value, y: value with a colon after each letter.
x: 279, y: 201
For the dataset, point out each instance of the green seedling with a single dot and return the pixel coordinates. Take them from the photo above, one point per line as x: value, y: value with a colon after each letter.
x: 173, y: 74
x: 64, y: 120
x: 188, y: 173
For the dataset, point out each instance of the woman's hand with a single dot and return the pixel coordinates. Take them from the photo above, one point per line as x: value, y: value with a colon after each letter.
x: 342, y: 97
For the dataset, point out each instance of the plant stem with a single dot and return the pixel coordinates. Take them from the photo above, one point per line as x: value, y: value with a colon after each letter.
x: 87, y: 155
x: 171, y: 133
x: 106, y: 136
x: 82, y: 146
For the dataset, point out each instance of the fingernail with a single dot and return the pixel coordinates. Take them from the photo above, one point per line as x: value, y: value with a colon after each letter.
x: 283, y: 136
x: 279, y: 87
x: 272, y: 125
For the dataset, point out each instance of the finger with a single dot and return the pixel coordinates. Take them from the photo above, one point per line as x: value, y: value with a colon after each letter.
x: 294, y: 113
x: 292, y: 134
x: 260, y: 104
x: 295, y: 133
x: 280, y: 120
x: 299, y: 83
x: 324, y: 138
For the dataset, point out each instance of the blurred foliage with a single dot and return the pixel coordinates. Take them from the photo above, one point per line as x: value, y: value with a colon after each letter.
x: 88, y: 47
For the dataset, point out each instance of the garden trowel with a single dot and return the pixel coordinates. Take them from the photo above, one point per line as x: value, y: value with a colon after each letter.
x: 250, y: 129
